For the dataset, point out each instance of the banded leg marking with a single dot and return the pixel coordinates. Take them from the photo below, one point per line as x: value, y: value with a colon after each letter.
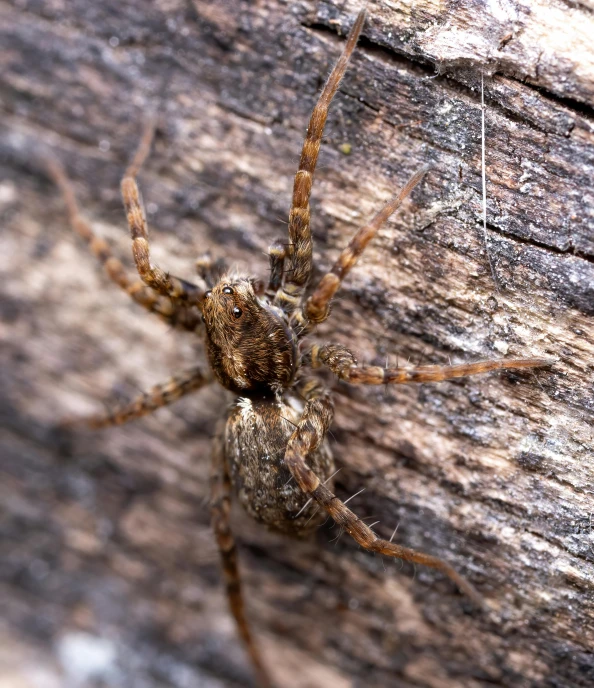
x: 300, y: 253
x: 152, y: 275
x: 314, y: 423
x: 159, y: 396
x: 220, y: 505
x: 317, y: 307
x: 173, y: 314
x: 344, y: 365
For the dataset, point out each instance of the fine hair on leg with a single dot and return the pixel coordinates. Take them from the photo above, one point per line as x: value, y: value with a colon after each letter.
x: 314, y: 424
x: 317, y: 305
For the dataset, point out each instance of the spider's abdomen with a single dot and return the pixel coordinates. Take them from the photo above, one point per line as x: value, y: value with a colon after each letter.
x: 256, y: 437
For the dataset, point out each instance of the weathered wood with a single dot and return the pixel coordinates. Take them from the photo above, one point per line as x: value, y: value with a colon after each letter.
x: 107, y: 533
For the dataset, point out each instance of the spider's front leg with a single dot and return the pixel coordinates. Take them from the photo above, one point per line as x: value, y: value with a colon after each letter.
x: 162, y: 282
x: 314, y: 424
x: 174, y: 314
x: 220, y: 506
x: 300, y: 249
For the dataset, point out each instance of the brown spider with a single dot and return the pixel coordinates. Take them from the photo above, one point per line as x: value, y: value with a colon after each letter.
x: 271, y: 449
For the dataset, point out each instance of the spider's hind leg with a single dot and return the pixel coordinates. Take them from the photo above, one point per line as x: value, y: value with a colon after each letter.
x: 220, y: 505
x: 314, y: 423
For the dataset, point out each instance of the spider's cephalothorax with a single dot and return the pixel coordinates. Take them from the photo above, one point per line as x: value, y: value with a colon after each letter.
x: 251, y: 347
x: 271, y: 448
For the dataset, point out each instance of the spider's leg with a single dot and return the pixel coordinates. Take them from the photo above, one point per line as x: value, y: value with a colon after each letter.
x: 209, y: 270
x: 174, y: 314
x: 344, y: 365
x: 317, y: 307
x: 277, y: 252
x: 300, y: 254
x: 220, y: 506
x: 313, y: 425
x: 152, y: 275
x: 160, y: 395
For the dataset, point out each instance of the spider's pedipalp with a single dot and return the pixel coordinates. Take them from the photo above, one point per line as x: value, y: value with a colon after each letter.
x: 210, y: 271
x: 277, y: 253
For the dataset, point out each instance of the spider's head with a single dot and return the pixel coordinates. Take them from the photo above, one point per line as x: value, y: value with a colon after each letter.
x: 250, y: 346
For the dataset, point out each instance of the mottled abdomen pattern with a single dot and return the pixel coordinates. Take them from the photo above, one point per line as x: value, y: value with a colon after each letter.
x: 256, y: 437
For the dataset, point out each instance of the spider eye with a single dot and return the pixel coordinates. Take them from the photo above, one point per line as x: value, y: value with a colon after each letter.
x: 237, y: 312
x: 227, y: 290
x: 207, y: 293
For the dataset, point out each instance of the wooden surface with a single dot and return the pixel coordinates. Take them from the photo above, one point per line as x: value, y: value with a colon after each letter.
x: 108, y: 567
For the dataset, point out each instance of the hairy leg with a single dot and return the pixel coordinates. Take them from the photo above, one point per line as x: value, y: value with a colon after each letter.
x: 317, y: 307
x: 159, y: 396
x: 300, y: 254
x: 315, y: 422
x: 344, y: 365
x: 220, y: 505
x: 174, y: 314
x: 152, y: 275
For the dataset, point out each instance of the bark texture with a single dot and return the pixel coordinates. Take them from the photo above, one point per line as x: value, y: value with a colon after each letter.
x: 108, y: 570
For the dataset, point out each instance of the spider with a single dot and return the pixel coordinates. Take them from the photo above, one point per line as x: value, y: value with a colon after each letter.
x: 270, y: 450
